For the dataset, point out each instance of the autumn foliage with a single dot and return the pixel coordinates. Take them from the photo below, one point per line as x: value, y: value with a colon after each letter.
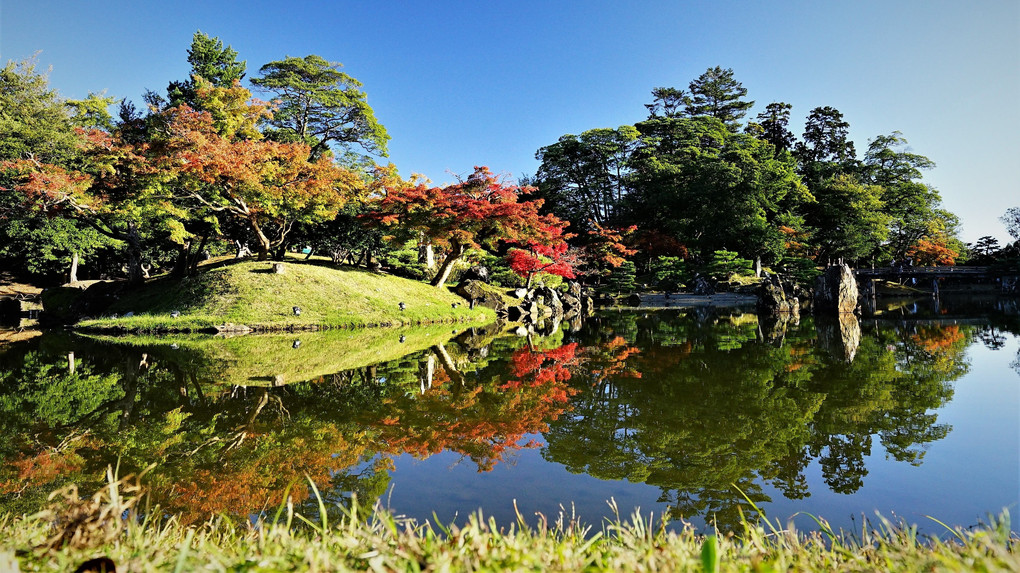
x: 932, y: 252
x: 480, y: 212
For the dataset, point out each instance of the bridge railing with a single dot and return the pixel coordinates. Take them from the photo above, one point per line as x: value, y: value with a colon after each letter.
x: 921, y: 271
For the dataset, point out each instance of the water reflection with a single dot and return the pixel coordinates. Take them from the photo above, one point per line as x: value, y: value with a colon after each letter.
x: 690, y: 403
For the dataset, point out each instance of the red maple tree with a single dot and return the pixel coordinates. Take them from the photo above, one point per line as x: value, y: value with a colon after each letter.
x: 477, y: 213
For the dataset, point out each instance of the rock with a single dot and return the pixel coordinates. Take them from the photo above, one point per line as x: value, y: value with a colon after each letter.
x: 516, y: 314
x: 574, y: 288
x: 587, y: 305
x: 702, y: 286
x: 773, y: 299
x: 570, y: 302
x: 634, y: 300
x: 552, y: 300
x: 774, y: 326
x: 836, y: 291
x: 476, y: 273
x: 520, y: 292
x: 278, y: 268
x: 479, y: 293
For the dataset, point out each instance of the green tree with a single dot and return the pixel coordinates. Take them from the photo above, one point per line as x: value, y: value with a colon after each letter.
x: 583, y: 178
x: 848, y: 220
x: 1011, y: 218
x: 51, y: 248
x: 716, y: 94
x: 34, y: 122
x: 826, y: 149
x: 773, y: 122
x: 667, y: 102
x: 320, y: 106
x: 211, y: 61
x: 713, y: 189
x: 913, y: 207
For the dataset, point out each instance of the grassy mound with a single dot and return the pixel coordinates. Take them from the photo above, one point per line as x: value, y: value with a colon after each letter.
x: 249, y: 293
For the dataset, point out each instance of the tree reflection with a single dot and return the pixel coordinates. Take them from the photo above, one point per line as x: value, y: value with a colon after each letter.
x: 693, y: 404
x: 236, y: 450
x: 718, y: 404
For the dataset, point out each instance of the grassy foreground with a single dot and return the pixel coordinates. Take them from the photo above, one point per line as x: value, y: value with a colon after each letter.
x: 249, y: 293
x: 77, y: 530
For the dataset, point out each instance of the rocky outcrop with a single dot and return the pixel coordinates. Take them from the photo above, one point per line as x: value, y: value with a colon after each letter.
x: 476, y: 273
x: 836, y: 291
x: 479, y: 293
x: 532, y: 306
x: 775, y: 298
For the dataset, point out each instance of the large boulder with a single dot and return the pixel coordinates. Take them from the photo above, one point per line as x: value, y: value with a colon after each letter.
x: 551, y: 300
x: 574, y: 289
x: 773, y: 298
x: 570, y: 302
x: 480, y: 293
x: 476, y: 273
x: 836, y: 291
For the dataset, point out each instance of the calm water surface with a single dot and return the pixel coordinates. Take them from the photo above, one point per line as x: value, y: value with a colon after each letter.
x: 913, y: 411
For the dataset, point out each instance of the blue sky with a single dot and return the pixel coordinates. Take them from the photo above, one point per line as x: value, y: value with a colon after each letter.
x: 459, y: 84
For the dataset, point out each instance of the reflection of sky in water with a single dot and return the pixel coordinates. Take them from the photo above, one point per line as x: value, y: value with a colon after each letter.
x: 419, y: 487
x: 972, y: 472
x: 963, y: 477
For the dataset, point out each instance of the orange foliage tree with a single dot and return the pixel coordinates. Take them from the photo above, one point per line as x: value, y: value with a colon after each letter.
x: 932, y: 251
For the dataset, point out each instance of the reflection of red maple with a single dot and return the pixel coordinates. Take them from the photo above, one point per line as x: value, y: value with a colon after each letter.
x: 486, y: 421
x: 39, y: 469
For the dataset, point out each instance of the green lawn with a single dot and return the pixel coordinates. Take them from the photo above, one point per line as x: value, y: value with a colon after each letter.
x: 249, y: 293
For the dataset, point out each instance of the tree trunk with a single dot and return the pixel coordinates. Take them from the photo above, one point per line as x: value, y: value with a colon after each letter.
x: 181, y: 264
x: 134, y: 255
x: 197, y: 256
x: 73, y: 275
x: 456, y: 252
x: 427, y: 256
x: 265, y: 245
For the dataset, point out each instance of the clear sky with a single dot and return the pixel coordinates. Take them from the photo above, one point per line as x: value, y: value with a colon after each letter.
x: 459, y: 84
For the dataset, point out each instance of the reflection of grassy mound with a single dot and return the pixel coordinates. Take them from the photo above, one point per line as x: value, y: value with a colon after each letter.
x: 272, y: 359
x: 248, y: 293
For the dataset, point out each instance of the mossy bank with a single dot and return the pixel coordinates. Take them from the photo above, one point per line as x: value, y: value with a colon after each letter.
x: 305, y: 295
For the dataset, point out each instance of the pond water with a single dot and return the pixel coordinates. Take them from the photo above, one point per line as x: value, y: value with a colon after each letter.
x: 911, y: 411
